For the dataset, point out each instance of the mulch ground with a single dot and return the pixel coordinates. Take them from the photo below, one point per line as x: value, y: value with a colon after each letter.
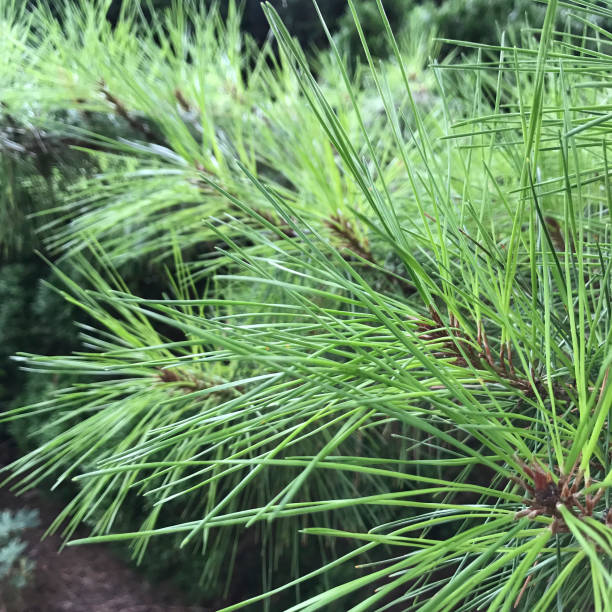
x: 81, y: 578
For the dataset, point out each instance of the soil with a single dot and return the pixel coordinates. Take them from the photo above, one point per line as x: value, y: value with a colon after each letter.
x: 81, y: 578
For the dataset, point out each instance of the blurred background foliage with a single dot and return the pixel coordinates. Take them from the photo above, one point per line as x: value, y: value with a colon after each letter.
x: 467, y: 20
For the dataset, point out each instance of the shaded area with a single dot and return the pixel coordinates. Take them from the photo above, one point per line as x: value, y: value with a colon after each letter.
x: 81, y: 578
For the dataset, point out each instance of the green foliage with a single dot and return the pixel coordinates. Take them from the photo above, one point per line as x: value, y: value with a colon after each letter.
x: 30, y: 309
x: 216, y: 117
x: 386, y: 328
x: 481, y: 21
x: 399, y: 12
x: 15, y: 568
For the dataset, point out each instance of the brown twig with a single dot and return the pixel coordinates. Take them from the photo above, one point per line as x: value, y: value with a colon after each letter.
x: 122, y: 111
x: 547, y: 494
x: 180, y: 98
x: 349, y: 237
x: 188, y: 383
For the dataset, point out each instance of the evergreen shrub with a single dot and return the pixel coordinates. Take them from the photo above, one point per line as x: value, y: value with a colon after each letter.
x: 16, y: 568
x: 385, y: 336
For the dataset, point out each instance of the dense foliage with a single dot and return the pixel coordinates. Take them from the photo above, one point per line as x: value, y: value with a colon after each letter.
x: 379, y: 328
x: 15, y: 567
